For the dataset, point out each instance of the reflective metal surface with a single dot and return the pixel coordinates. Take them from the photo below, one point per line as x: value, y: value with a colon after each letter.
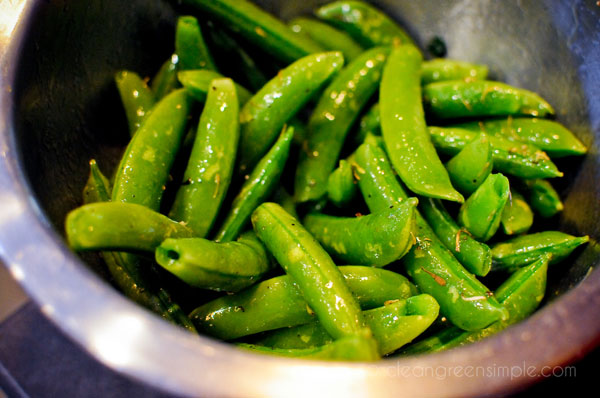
x: 58, y: 109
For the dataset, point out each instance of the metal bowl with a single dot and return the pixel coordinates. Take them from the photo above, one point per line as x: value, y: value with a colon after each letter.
x: 58, y: 109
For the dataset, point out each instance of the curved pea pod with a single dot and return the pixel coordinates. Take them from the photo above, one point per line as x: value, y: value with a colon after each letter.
x: 548, y: 135
x: 165, y: 79
x: 517, y: 216
x: 520, y: 294
x: 229, y: 266
x: 367, y: 25
x: 278, y: 303
x: 462, y: 298
x: 136, y: 96
x: 120, y: 226
x: 443, y: 69
x: 455, y: 99
x: 261, y: 183
x: 341, y: 188
x: 471, y: 166
x: 336, y: 111
x: 525, y: 249
x: 404, y: 131
x: 263, y: 116
x: 197, y: 82
x: 327, y: 37
x: 376, y: 239
x: 344, y: 349
x: 542, y: 197
x: 482, y: 212
x: 190, y: 46
x: 211, y: 162
x: 520, y: 160
x: 475, y: 256
x: 258, y: 27
x: 145, y: 165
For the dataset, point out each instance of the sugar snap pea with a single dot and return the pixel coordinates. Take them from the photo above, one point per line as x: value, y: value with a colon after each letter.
x: 442, y: 69
x: 370, y: 123
x: 136, y: 96
x: 520, y: 160
x: 517, y: 216
x: 258, y: 27
x: 263, y: 116
x: 482, y: 212
x: 341, y: 187
x: 525, y: 249
x: 211, y: 162
x: 331, y: 120
x: 165, y: 79
x: 376, y: 239
x: 190, y: 46
x: 462, y: 298
x: 278, y: 303
x: 542, y: 197
x: 257, y: 188
x: 404, y: 131
x: 97, y: 187
x: 197, y: 82
x: 455, y: 99
x: 471, y: 166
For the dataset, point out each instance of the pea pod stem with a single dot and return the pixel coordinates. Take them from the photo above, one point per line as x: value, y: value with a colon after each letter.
x: 341, y: 186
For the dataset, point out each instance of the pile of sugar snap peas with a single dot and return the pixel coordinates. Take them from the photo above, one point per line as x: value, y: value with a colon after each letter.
x: 334, y: 160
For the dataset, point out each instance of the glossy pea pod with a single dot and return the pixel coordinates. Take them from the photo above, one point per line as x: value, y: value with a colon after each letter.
x: 318, y: 278
x: 278, y: 303
x: 258, y: 27
x: 542, y: 197
x: 404, y: 130
x: 376, y: 239
x: 197, y: 82
x: 257, y: 188
x: 456, y: 99
x: 520, y: 160
x: 367, y: 25
x: 443, y: 69
x: 211, y: 162
x: 525, y: 249
x: 394, y: 325
x: 520, y: 294
x: 190, y: 46
x: 517, y: 216
x: 462, y: 298
x: 144, y: 168
x: 341, y: 187
x: 471, y: 166
x: 475, y: 256
x: 136, y: 96
x: 328, y: 37
x: 263, y: 116
x: 165, y: 79
x: 482, y: 212
x: 331, y: 120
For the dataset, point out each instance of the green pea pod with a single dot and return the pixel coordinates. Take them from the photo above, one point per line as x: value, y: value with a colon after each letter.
x: 263, y: 116
x: 190, y: 46
x: 525, y: 249
x: 471, y: 166
x: 370, y: 123
x: 462, y: 298
x: 259, y: 186
x: 520, y: 160
x: 197, y: 82
x: 394, y: 325
x: 165, y: 79
x: 327, y: 37
x: 404, y: 131
x: 548, y: 135
x: 344, y: 349
x: 367, y: 25
x: 520, y: 294
x: 517, y: 216
x: 376, y: 239
x: 455, y: 99
x: 97, y: 187
x: 482, y: 212
x: 341, y: 188
x: 120, y: 226
x: 443, y: 69
x: 258, y: 27
x: 136, y: 96
x: 336, y: 111
x: 145, y: 165
x: 210, y: 166
x: 229, y: 266
x: 542, y: 197
x: 475, y: 256
x: 278, y: 303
